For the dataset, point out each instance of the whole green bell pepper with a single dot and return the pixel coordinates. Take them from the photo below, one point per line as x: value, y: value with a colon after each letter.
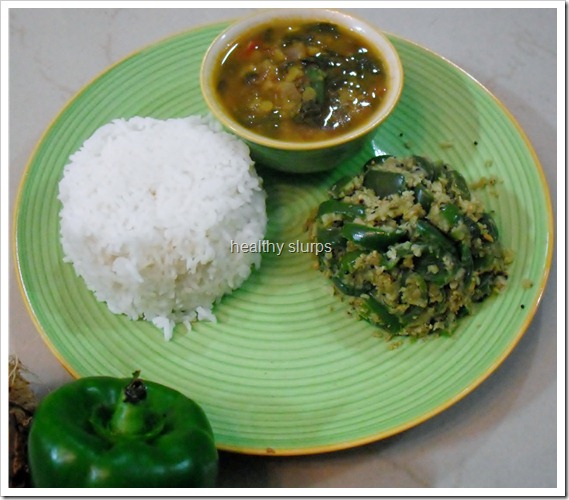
x: 106, y: 432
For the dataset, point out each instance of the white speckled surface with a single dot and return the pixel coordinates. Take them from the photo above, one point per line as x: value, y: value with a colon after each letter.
x: 504, y: 433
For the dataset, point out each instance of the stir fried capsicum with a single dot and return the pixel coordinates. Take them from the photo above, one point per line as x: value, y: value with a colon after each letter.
x: 106, y: 432
x: 410, y: 246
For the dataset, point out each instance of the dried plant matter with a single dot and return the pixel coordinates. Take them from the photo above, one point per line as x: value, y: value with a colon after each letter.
x: 22, y: 405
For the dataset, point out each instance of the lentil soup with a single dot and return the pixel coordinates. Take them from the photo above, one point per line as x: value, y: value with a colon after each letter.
x: 304, y: 81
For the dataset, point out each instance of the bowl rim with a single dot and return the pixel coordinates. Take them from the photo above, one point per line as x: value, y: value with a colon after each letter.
x: 352, y: 23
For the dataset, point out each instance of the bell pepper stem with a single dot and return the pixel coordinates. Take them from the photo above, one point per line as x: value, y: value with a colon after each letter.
x: 135, y: 391
x: 131, y: 415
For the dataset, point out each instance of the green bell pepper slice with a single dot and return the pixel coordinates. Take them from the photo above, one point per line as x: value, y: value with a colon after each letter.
x: 348, y: 261
x: 436, y: 238
x: 385, y: 318
x: 484, y: 288
x: 372, y: 238
x: 385, y: 183
x: 346, y: 266
x: 339, y: 207
x: 351, y: 290
x: 424, y: 197
x: 491, y: 227
x: 432, y: 171
x: 340, y: 185
x: 397, y: 252
x: 376, y: 161
x: 459, y: 227
x: 458, y: 182
x: 451, y: 213
x: 472, y: 226
x: 463, y: 228
x: 467, y: 263
x: 431, y: 267
x: 106, y: 432
x: 331, y: 235
x: 415, y: 315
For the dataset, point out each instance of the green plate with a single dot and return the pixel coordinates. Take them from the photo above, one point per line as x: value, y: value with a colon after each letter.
x: 286, y: 370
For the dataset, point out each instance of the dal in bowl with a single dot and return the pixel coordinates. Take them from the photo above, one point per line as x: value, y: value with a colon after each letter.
x: 304, y: 88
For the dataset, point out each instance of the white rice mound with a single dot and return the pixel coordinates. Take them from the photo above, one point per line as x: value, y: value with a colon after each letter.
x: 149, y: 210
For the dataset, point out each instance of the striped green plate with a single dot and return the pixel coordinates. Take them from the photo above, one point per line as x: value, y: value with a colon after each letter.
x: 285, y: 370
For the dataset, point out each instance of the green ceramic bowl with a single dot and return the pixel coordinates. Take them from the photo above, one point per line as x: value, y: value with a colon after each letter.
x: 303, y: 157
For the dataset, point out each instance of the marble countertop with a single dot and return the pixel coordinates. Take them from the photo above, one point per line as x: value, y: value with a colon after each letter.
x: 503, y: 434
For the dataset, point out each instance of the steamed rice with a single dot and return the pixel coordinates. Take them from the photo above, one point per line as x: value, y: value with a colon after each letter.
x: 149, y: 209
